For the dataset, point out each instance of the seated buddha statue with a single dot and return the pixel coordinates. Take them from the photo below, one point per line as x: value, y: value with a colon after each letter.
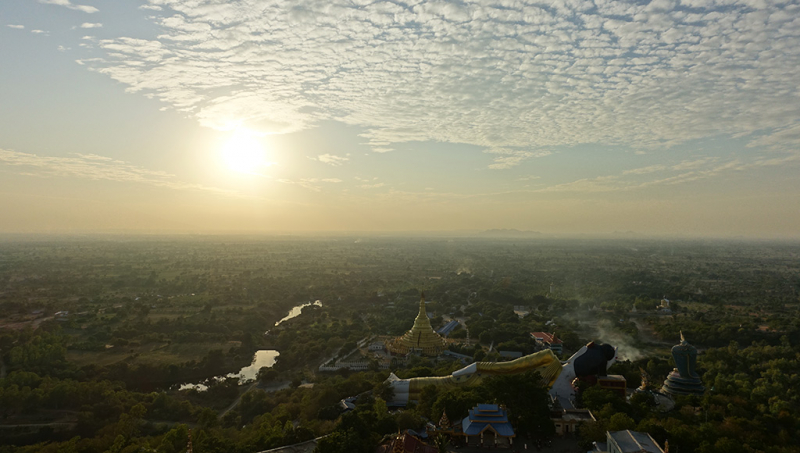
x: 684, y: 380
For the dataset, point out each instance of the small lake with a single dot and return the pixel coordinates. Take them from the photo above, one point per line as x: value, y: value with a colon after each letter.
x: 262, y: 358
x: 295, y: 311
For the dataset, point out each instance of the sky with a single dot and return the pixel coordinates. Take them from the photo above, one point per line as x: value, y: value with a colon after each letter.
x: 664, y: 118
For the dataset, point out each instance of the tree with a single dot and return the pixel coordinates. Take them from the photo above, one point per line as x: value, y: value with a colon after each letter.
x: 526, y: 399
x: 408, y: 419
x: 620, y: 422
x: 442, y: 442
x: 208, y: 418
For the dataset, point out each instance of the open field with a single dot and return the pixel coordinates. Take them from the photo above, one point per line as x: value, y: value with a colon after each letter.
x: 154, y: 353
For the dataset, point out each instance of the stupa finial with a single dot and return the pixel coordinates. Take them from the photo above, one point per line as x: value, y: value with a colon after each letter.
x: 683, y: 340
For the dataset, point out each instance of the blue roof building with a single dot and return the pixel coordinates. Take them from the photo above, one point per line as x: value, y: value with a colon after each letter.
x: 487, y: 424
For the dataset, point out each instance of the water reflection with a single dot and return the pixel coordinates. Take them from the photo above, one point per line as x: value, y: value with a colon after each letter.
x: 262, y: 358
x: 295, y: 312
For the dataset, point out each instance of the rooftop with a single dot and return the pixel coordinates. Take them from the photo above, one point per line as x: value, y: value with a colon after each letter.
x: 634, y: 442
x: 487, y: 417
x: 548, y: 337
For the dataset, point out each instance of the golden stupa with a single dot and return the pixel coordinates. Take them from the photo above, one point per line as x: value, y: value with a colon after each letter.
x: 421, y: 337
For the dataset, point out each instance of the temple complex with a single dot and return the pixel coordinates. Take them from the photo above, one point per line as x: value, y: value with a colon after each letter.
x: 684, y: 380
x: 421, y: 338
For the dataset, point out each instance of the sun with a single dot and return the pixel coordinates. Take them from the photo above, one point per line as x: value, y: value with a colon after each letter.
x: 244, y: 153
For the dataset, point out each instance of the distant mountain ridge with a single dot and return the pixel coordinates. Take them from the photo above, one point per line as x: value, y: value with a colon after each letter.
x: 510, y: 233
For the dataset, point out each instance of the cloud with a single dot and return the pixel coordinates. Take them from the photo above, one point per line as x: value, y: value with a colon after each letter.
x: 698, y: 169
x: 505, y: 75
x: 91, y: 25
x: 310, y: 183
x: 371, y: 186
x: 95, y: 167
x: 787, y: 138
x: 644, y: 170
x: 17, y: 27
x: 692, y: 164
x: 331, y: 159
x: 70, y: 5
x: 38, y: 31
x: 512, y: 158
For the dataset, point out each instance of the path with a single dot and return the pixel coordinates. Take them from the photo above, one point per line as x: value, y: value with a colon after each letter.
x: 271, y: 388
x: 69, y: 425
x: 238, y: 398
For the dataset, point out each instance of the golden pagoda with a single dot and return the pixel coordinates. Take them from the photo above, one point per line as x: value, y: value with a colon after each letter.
x: 421, y: 337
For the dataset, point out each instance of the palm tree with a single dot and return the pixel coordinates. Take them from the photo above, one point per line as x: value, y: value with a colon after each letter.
x: 442, y: 442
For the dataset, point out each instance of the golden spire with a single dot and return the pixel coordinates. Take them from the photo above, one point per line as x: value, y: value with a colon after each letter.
x: 422, y: 316
x: 421, y: 337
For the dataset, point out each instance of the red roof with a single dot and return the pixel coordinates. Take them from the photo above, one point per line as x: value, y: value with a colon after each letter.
x: 544, y: 336
x: 413, y: 445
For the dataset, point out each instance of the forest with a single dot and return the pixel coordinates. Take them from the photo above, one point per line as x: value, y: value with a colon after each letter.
x: 99, y: 336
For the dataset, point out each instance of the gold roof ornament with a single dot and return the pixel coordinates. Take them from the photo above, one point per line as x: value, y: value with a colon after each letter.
x: 444, y: 422
x: 398, y: 444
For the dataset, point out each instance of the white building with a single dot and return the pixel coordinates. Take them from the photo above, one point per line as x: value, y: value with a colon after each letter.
x: 627, y: 442
x: 377, y: 346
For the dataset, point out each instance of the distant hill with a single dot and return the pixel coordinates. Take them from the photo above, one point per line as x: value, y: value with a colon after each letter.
x: 509, y: 233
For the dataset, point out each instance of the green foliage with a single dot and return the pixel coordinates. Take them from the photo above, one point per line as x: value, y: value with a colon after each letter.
x: 526, y: 399
x: 751, y: 404
x: 43, y: 352
x: 203, y: 307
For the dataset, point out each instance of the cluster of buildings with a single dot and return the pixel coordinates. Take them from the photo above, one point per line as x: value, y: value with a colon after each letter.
x: 488, y: 425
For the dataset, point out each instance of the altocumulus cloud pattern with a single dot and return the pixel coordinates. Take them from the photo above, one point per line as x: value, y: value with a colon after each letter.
x: 514, y: 77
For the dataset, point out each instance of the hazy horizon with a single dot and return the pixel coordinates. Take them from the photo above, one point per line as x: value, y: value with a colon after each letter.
x: 359, y: 236
x: 665, y: 118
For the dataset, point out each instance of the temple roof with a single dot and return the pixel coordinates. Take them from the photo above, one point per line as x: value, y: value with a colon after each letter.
x: 548, y: 337
x: 487, y: 417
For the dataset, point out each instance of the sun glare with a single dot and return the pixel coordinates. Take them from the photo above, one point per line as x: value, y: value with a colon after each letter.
x: 244, y: 153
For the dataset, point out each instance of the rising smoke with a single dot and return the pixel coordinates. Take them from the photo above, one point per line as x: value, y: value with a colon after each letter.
x: 607, y: 333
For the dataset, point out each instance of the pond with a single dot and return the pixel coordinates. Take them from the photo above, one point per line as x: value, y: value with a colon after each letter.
x: 262, y: 358
x: 295, y: 311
